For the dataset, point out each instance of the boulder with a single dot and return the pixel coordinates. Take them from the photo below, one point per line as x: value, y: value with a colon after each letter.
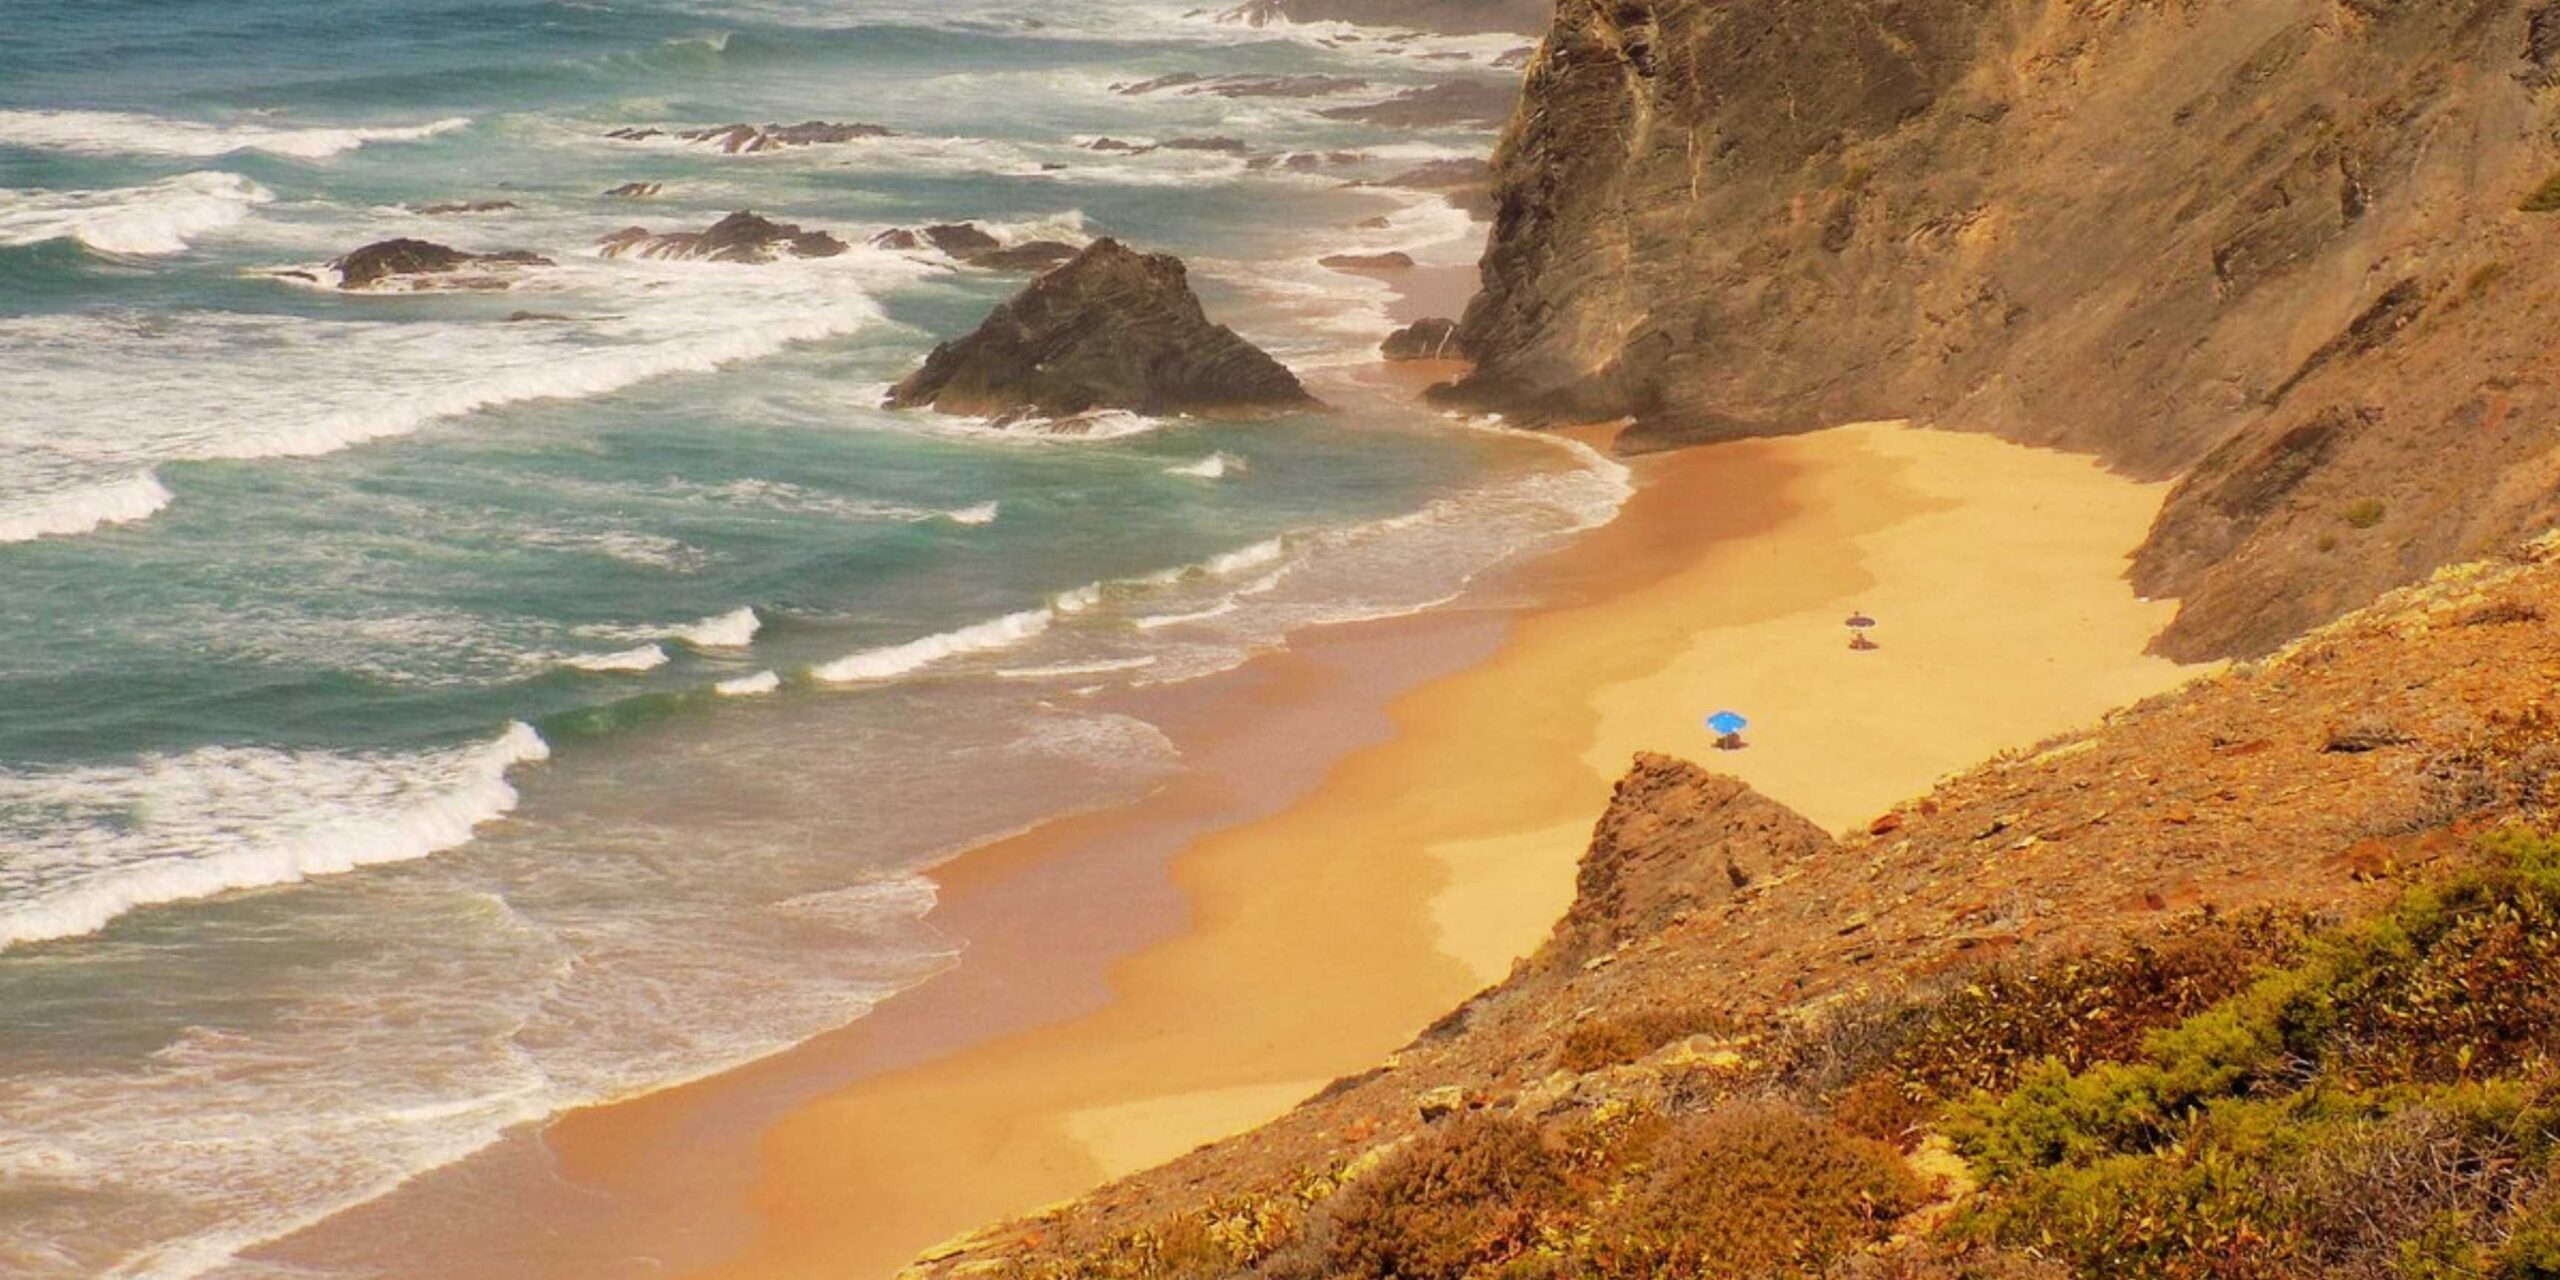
x: 426, y: 264
x: 740, y: 237
x: 1433, y: 339
x: 1111, y: 329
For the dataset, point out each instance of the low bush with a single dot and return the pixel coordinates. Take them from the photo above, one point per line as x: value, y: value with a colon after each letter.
x: 1469, y: 1196
x: 1751, y: 1190
x: 1607, y: 1042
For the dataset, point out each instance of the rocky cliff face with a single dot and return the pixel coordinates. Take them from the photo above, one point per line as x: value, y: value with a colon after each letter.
x: 2283, y: 243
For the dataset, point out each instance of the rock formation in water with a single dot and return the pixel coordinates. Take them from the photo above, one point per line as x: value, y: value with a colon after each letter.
x: 1111, y: 329
x: 2292, y: 250
x: 740, y: 237
x: 748, y: 139
x: 1451, y: 102
x: 972, y: 244
x: 424, y: 264
x: 1432, y: 339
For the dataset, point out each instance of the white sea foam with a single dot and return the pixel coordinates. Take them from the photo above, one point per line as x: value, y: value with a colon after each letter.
x: 892, y: 661
x: 220, y: 819
x: 127, y: 133
x: 749, y: 686
x: 735, y: 629
x: 99, y: 397
x: 1214, y: 467
x: 1158, y: 621
x: 81, y: 510
x: 1065, y: 670
x: 1267, y: 551
x: 982, y: 513
x: 648, y: 657
x: 160, y: 218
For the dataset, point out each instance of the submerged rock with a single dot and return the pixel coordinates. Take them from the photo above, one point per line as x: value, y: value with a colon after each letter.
x: 426, y: 264
x: 1244, y: 86
x: 1432, y: 339
x: 1111, y: 329
x: 463, y: 206
x: 636, y: 190
x: 740, y: 237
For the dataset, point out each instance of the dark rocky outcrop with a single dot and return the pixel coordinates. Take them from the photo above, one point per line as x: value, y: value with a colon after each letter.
x: 1453, y: 102
x: 1392, y: 261
x: 1112, y: 329
x: 424, y: 264
x: 1726, y: 219
x: 748, y: 139
x: 1455, y: 17
x: 445, y: 207
x: 740, y: 237
x: 1433, y: 339
x: 972, y: 244
x: 636, y: 190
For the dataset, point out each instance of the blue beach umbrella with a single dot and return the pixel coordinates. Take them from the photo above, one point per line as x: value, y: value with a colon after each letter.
x: 1727, y: 723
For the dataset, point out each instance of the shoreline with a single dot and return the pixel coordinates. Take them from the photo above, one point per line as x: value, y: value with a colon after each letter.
x: 1313, y: 933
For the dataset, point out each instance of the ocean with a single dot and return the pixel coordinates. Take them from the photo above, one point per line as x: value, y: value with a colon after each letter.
x: 422, y: 713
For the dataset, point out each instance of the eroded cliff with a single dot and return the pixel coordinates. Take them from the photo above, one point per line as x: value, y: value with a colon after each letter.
x: 2286, y: 248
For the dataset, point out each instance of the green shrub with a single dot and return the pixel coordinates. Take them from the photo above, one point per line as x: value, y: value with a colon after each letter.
x: 2364, y: 513
x: 2544, y: 198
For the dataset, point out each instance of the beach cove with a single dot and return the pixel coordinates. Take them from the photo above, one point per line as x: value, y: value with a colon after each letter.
x: 1307, y: 934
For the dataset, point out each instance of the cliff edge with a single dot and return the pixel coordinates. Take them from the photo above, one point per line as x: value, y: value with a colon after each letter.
x: 2291, y: 249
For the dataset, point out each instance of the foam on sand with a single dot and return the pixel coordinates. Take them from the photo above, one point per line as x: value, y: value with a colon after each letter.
x: 220, y: 819
x: 160, y: 218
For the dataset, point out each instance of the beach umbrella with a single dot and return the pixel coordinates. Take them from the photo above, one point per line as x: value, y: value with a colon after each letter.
x: 1727, y: 723
x: 1861, y: 621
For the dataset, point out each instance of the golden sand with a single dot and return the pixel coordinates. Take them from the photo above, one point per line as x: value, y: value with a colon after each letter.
x: 1323, y: 936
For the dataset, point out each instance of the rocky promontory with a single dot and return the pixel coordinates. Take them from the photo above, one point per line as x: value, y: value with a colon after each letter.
x: 1113, y: 328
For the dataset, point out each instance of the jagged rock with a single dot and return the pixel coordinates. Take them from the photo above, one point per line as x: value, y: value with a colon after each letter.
x: 1674, y: 836
x: 1111, y: 329
x: 1030, y: 255
x: 426, y: 264
x: 1434, y: 339
x: 1455, y: 102
x: 1115, y: 144
x: 740, y: 237
x: 1395, y: 261
x: 748, y: 139
x: 463, y: 206
x: 636, y: 190
x: 972, y: 244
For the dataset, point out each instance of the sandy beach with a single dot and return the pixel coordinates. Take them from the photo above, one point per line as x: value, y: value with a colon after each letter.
x: 1313, y: 937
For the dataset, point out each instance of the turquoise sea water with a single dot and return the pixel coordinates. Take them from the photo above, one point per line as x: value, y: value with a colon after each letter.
x: 416, y: 719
